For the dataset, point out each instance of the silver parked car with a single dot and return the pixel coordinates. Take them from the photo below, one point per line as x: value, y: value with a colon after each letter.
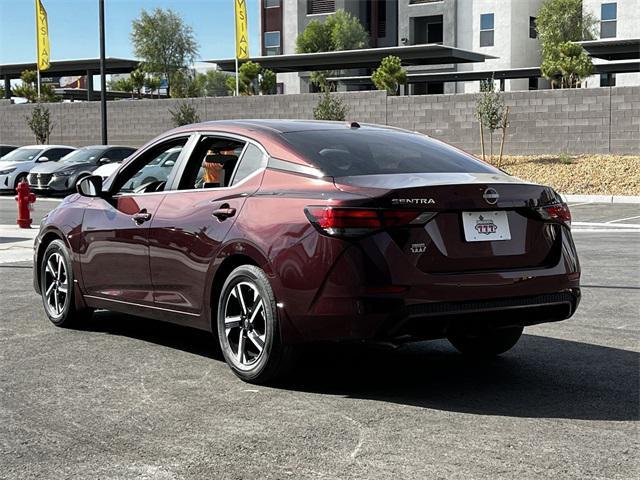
x: 15, y: 165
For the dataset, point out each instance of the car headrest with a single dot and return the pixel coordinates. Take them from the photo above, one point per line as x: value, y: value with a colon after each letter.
x: 218, y: 158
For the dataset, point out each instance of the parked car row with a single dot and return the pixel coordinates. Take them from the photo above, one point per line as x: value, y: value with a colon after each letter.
x: 55, y: 169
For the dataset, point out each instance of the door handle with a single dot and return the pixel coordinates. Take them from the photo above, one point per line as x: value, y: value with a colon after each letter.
x: 141, y: 217
x: 224, y: 212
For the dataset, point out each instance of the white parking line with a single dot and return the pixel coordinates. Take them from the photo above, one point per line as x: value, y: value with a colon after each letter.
x: 633, y: 226
x: 623, y: 219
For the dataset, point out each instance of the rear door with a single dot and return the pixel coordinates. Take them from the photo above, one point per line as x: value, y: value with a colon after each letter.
x: 115, y: 235
x: 193, y: 221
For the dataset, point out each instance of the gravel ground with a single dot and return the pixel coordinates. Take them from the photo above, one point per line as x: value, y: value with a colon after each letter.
x: 581, y: 174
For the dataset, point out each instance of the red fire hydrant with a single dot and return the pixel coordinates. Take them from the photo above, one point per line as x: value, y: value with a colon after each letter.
x: 24, y: 198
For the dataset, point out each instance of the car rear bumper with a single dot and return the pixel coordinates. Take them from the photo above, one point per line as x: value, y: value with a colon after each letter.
x: 370, y: 294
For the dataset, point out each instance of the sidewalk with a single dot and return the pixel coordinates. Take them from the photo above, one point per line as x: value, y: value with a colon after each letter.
x: 16, y: 244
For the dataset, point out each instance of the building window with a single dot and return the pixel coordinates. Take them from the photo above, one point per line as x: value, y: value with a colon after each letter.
x: 315, y: 7
x: 426, y: 30
x: 272, y: 43
x: 533, y: 31
x: 271, y: 3
x: 486, y: 30
x: 533, y: 83
x: 608, y: 20
x: 607, y: 79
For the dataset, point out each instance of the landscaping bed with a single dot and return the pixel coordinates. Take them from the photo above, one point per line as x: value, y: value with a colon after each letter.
x: 579, y: 174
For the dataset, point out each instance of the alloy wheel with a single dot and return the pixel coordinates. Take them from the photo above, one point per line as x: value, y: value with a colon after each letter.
x: 56, y: 284
x: 245, y: 324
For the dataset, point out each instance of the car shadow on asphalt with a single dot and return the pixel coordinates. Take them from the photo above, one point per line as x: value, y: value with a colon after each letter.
x: 541, y: 377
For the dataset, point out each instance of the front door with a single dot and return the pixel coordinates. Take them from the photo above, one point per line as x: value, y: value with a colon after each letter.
x: 192, y: 222
x: 115, y: 231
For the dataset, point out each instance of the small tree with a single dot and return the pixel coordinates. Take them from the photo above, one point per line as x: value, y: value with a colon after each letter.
x: 340, y: 31
x: 559, y: 23
x: 215, y: 83
x: 40, y: 124
x: 389, y: 75
x: 491, y: 113
x: 29, y: 89
x: 123, y: 85
x: 187, y: 84
x: 138, y: 78
x: 567, y: 65
x: 184, y: 114
x: 330, y: 108
x: 267, y: 82
x: 164, y: 42
x: 152, y: 84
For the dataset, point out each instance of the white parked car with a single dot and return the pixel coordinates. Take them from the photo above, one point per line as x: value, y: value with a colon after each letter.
x: 15, y: 165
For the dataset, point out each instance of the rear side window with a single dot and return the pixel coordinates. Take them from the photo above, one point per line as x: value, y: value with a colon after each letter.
x: 340, y: 153
x: 251, y: 161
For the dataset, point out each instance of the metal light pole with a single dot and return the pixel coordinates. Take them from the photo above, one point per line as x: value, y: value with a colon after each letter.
x: 103, y: 82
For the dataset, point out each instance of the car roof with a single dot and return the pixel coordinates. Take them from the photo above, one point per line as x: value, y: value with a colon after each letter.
x: 106, y: 146
x: 282, y: 125
x: 46, y: 147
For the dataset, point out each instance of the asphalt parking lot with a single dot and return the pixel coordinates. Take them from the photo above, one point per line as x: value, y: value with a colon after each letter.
x: 125, y: 397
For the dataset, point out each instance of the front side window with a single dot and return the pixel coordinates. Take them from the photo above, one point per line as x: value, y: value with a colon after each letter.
x: 56, y: 154
x: 608, y: 20
x: 151, y: 172
x: 486, y: 30
x: 339, y: 153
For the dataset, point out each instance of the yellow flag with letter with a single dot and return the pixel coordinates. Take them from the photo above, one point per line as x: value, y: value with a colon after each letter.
x: 242, y: 35
x: 42, y: 36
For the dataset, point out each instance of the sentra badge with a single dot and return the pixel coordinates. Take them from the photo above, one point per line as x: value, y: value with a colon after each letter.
x: 412, y: 201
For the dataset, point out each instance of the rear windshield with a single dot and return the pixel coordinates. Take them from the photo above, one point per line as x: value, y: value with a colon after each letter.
x: 340, y: 153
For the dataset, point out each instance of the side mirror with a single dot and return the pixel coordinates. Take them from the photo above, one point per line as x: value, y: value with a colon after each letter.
x: 43, y: 159
x: 104, y: 161
x: 90, y: 186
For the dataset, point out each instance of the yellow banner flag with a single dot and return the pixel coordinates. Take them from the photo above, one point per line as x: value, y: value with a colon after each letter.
x: 42, y: 36
x: 242, y: 35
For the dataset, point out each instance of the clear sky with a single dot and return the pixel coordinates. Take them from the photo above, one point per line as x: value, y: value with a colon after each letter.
x: 73, y: 27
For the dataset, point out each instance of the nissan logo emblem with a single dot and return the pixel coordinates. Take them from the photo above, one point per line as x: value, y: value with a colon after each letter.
x: 491, y: 196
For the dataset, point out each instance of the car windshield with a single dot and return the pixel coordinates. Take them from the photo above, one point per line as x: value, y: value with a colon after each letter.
x: 339, y: 153
x: 22, y: 154
x: 83, y: 155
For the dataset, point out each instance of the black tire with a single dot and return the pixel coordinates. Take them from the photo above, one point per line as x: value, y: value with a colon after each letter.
x: 254, y: 325
x: 485, y: 344
x: 67, y: 314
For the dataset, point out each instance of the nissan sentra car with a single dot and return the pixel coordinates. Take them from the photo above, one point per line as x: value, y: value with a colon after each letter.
x: 272, y: 234
x: 61, y: 177
x: 15, y: 165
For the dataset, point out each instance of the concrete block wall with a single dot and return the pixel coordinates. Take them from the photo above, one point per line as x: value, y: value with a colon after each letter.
x: 597, y: 120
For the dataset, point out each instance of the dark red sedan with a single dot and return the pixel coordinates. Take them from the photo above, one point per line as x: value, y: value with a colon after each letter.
x: 273, y: 233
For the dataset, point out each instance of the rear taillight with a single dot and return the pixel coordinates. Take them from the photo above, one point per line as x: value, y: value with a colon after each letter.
x: 559, y: 212
x: 354, y: 222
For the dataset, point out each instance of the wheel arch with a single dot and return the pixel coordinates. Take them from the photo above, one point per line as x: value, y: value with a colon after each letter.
x: 44, y: 242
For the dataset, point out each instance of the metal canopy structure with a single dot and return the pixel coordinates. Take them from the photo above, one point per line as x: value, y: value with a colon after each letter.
x: 69, y: 68
x: 469, y: 76
x: 613, y: 49
x: 430, y: 54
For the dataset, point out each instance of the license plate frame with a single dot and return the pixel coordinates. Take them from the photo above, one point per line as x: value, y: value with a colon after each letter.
x: 486, y: 226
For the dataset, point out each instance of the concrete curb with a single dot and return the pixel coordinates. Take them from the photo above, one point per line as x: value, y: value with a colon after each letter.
x: 601, y: 198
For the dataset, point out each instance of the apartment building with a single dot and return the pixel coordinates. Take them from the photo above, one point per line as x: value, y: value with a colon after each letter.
x: 504, y: 29
x: 618, y: 20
